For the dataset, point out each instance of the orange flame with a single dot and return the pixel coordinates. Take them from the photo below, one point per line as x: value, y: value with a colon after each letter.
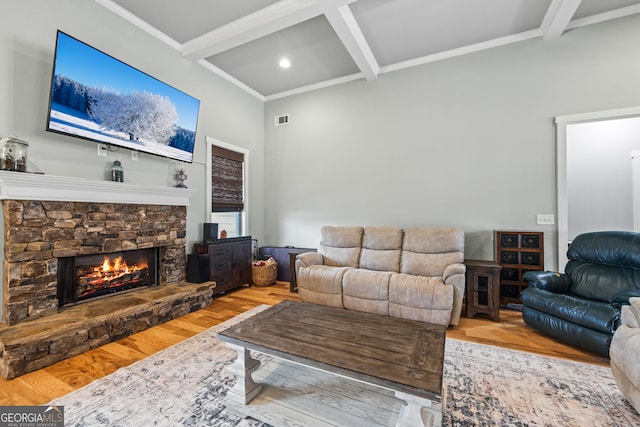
x: 119, y: 266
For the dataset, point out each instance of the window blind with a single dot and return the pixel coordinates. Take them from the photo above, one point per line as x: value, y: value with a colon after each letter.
x: 226, y: 180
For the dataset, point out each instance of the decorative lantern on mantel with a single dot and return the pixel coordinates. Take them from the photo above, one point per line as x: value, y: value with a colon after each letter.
x: 181, y: 177
x: 13, y: 154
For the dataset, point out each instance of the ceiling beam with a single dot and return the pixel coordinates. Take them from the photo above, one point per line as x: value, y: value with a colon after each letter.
x: 273, y: 18
x: 135, y: 20
x: 347, y: 29
x: 558, y: 17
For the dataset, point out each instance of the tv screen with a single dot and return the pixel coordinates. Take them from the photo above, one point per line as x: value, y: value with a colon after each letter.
x: 97, y: 97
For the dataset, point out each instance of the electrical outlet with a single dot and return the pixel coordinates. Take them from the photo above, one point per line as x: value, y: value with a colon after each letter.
x: 102, y: 150
x: 134, y: 156
x: 545, y: 219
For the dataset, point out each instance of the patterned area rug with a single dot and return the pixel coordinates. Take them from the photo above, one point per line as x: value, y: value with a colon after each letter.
x: 185, y: 384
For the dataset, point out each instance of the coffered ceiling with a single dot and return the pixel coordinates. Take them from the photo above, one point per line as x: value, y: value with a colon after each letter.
x: 333, y: 41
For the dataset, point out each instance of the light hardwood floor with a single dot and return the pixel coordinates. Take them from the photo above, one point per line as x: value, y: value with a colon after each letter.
x: 39, y: 387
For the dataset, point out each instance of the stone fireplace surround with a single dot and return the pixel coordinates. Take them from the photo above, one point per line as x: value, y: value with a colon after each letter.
x: 49, y: 217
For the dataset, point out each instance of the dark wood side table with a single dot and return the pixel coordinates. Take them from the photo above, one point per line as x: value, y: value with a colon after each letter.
x: 482, y: 288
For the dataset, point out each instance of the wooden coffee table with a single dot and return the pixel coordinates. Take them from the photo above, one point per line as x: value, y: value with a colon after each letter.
x: 400, y: 355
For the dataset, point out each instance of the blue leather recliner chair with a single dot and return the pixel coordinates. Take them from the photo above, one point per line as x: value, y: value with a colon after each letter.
x: 582, y: 306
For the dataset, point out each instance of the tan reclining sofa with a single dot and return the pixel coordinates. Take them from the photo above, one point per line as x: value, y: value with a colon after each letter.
x: 415, y: 273
x: 625, y: 353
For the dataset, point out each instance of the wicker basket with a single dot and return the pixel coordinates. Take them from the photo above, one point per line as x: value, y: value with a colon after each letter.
x: 264, y: 275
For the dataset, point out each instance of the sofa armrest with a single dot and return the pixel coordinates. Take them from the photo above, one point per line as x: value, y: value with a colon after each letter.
x: 453, y: 269
x: 558, y: 283
x: 309, y: 258
x: 306, y: 259
x: 623, y: 298
x: 453, y: 275
x: 631, y: 313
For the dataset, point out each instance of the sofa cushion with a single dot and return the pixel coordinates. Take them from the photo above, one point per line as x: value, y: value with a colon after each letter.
x: 366, y: 290
x: 624, y: 354
x: 341, y: 246
x: 596, y: 315
x: 322, y: 285
x: 381, y: 248
x: 617, y: 248
x: 426, y: 299
x: 600, y: 282
x: 428, y: 251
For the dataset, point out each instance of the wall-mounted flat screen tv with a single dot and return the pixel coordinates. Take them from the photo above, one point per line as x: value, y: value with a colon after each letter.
x: 97, y: 97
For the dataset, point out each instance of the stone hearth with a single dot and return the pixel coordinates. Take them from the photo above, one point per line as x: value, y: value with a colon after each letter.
x: 42, y: 342
x: 46, y: 218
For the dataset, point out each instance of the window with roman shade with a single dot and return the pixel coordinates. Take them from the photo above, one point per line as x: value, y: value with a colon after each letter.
x: 227, y: 171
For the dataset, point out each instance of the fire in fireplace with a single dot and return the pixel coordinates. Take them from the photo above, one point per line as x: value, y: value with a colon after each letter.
x: 89, y: 276
x: 112, y: 273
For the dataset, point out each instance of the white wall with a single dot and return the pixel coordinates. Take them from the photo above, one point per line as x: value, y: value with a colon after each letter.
x: 599, y: 175
x: 468, y: 141
x: 27, y: 38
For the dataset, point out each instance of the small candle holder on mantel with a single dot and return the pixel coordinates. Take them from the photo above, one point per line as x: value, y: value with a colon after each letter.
x: 181, y: 177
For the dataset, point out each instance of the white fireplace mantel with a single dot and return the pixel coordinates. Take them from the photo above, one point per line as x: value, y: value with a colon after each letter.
x: 28, y: 186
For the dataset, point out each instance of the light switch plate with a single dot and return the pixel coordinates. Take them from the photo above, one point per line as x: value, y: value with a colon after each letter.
x: 545, y: 219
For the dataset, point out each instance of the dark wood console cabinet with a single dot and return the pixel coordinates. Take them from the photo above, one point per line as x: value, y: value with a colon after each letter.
x: 229, y: 262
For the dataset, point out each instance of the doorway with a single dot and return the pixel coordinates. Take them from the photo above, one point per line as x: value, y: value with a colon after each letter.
x: 599, y: 211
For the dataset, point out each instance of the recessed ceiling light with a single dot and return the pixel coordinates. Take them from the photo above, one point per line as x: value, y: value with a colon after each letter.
x: 285, y: 63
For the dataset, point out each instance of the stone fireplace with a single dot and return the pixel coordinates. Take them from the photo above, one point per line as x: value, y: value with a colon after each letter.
x: 56, y: 230
x: 40, y: 233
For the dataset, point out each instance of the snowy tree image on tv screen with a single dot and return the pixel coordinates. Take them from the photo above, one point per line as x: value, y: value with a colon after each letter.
x: 95, y: 96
